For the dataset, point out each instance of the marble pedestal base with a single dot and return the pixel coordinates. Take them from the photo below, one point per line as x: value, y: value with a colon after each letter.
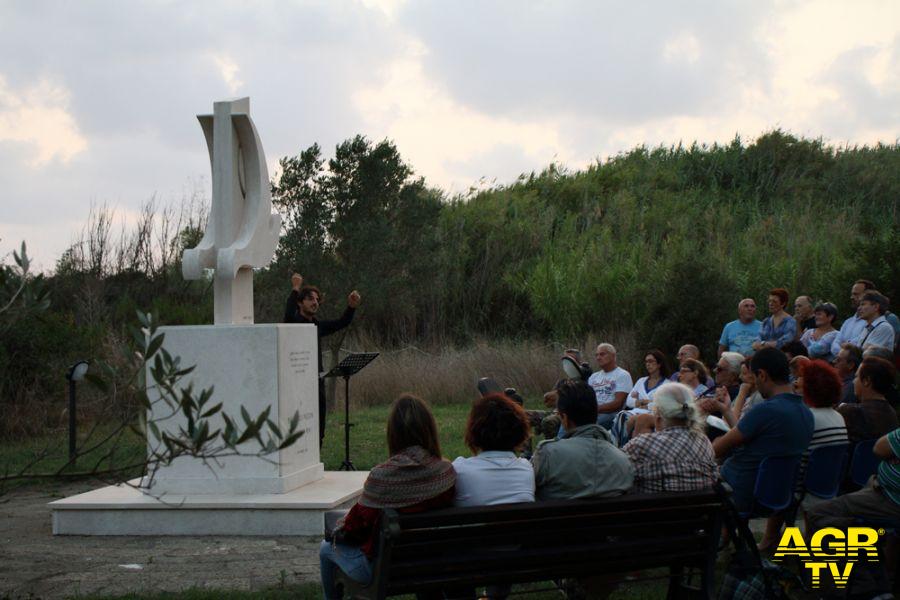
x: 124, y: 510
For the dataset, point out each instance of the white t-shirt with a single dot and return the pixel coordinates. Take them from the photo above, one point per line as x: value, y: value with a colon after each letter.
x: 493, y: 477
x: 606, y: 385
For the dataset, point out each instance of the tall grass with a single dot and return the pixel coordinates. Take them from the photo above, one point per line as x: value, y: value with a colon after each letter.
x: 449, y: 374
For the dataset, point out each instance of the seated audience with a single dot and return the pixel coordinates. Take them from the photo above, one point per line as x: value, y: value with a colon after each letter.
x: 878, y: 501
x: 803, y: 314
x: 748, y: 395
x: 728, y: 380
x: 677, y: 457
x: 657, y: 371
x: 821, y: 389
x: 496, y: 428
x: 818, y: 339
x: 611, y: 385
x: 846, y: 363
x: 853, y: 324
x: 796, y: 366
x: 780, y: 426
x: 728, y: 372
x: 793, y: 349
x: 693, y: 374
x: 779, y: 328
x: 738, y: 335
x: 641, y: 397
x: 728, y: 386
x: 583, y: 463
x: 878, y: 352
x: 685, y: 352
x: 710, y: 400
x: 893, y: 394
x: 872, y: 417
x: 415, y: 478
x: 734, y: 410
x: 877, y: 331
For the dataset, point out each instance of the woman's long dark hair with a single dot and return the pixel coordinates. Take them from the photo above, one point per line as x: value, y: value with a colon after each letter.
x: 410, y: 423
x: 664, y: 369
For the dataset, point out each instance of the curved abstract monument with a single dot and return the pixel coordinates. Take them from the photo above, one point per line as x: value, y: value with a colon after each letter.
x: 258, y: 367
x: 241, y: 233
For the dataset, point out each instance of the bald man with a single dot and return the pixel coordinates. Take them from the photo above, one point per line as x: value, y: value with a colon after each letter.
x: 611, y: 384
x: 738, y: 335
x: 686, y: 352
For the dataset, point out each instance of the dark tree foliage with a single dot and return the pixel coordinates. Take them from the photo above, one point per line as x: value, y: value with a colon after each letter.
x: 364, y: 223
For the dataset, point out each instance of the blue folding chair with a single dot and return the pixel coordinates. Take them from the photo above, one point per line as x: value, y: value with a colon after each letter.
x: 775, y: 482
x: 825, y: 470
x: 824, y: 474
x: 864, y: 463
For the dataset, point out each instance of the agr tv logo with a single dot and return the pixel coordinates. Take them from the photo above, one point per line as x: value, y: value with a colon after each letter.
x: 827, y: 547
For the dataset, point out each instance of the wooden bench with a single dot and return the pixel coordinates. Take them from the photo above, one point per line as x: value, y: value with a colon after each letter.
x: 517, y: 543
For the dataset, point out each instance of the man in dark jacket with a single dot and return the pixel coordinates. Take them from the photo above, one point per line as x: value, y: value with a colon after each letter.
x: 302, y: 306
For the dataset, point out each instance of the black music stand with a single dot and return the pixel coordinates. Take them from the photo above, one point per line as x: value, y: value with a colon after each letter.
x: 351, y: 365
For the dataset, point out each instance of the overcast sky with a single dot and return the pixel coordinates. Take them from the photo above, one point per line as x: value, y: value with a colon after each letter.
x: 98, y: 100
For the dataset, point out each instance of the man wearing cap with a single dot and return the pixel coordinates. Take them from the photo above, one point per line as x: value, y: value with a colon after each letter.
x: 738, y: 335
x: 877, y: 331
x: 819, y: 338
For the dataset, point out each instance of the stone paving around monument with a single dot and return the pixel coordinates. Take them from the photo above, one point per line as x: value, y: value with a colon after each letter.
x: 34, y: 563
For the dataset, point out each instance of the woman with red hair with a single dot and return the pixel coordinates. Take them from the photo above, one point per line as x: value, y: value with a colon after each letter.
x: 821, y: 387
x: 822, y: 390
x: 497, y: 427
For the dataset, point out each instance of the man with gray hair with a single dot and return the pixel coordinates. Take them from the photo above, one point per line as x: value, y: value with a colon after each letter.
x: 853, y: 324
x: 611, y: 385
x: 738, y: 335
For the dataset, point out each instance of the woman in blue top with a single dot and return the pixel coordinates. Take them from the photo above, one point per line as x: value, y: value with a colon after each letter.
x: 780, y: 328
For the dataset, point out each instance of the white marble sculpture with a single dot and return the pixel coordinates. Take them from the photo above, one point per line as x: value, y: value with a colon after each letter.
x: 258, y: 367
x: 242, y: 232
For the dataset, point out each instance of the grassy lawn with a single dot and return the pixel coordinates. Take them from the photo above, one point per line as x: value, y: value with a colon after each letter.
x: 49, y: 454
x: 368, y: 440
x: 368, y: 445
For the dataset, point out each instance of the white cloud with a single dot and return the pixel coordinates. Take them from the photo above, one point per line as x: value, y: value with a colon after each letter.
x: 389, y: 7
x: 38, y: 116
x: 229, y: 70
x: 444, y: 139
x: 684, y: 47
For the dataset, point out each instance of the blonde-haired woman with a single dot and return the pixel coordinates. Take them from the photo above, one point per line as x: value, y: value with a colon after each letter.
x: 678, y: 457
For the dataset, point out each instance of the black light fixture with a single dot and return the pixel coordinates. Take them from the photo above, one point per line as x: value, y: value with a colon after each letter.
x: 76, y: 373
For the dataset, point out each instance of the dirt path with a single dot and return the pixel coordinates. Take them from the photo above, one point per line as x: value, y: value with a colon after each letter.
x: 35, y: 564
